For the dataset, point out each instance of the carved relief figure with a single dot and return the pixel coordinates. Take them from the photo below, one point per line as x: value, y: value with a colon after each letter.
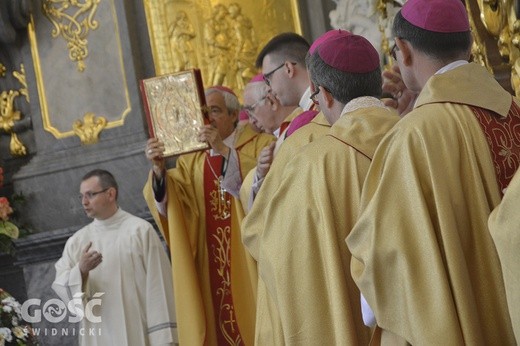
x: 359, y: 17
x: 216, y: 35
x: 245, y: 45
x: 181, y: 34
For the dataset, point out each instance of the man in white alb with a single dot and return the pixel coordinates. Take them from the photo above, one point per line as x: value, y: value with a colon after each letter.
x: 119, y: 259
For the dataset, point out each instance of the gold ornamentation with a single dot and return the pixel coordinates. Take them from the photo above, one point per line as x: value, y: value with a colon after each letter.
x: 221, y: 253
x: 2, y: 70
x: 72, y: 20
x: 181, y: 35
x: 8, y: 116
x: 173, y: 105
x: 57, y: 120
x: 220, y: 199
x: 220, y: 202
x: 478, y: 49
x: 499, y: 19
x: 16, y: 147
x: 492, y: 15
x: 88, y: 130
x: 387, y: 10
x: 219, y: 37
x: 20, y: 76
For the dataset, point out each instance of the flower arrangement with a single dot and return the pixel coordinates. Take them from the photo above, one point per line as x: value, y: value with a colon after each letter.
x: 8, y: 228
x: 12, y: 331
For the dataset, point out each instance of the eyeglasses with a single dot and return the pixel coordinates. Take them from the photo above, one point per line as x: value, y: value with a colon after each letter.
x: 268, y: 76
x: 392, y: 51
x: 90, y: 195
x: 395, y: 49
x: 314, y: 94
x: 251, y: 108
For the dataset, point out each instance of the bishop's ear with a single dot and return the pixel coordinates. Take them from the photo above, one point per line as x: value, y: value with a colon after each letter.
x: 272, y: 101
x: 405, y: 49
x: 327, y: 96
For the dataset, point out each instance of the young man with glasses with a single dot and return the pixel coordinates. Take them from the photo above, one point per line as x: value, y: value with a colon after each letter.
x: 302, y: 256
x: 288, y: 81
x: 422, y: 254
x: 120, y: 260
x: 313, y: 127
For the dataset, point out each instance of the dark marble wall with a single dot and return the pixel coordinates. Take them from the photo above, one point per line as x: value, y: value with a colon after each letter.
x: 50, y: 174
x: 50, y: 180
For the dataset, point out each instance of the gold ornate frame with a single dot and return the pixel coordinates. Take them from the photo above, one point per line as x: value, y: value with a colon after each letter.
x: 221, y: 38
x: 68, y: 37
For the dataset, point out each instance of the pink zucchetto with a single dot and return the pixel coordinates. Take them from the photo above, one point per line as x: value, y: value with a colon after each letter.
x: 445, y: 16
x: 258, y: 78
x: 223, y: 88
x: 326, y: 36
x: 351, y: 53
x: 243, y: 115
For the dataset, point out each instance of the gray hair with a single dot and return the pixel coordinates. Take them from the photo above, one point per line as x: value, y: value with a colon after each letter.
x: 344, y: 86
x: 231, y: 101
x: 258, y: 90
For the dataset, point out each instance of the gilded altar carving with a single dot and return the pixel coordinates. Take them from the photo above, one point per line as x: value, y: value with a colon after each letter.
x: 72, y: 20
x: 499, y: 19
x: 386, y: 10
x: 222, y: 39
x: 20, y: 76
x: 8, y: 116
x: 361, y: 17
x: 89, y: 129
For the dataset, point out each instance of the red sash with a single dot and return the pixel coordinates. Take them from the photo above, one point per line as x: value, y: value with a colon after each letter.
x: 503, y: 137
x: 284, y: 126
x: 218, y: 240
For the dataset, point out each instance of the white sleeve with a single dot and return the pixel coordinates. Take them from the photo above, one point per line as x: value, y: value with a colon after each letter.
x: 68, y: 280
x: 233, y: 178
x: 162, y: 205
x: 160, y: 309
x: 255, y: 187
x: 368, y: 315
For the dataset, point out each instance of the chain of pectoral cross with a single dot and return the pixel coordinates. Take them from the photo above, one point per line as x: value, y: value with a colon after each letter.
x: 223, y: 204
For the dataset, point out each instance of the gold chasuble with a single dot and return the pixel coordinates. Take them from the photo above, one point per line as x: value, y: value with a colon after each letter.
x: 306, y: 295
x: 214, y: 297
x: 504, y: 225
x: 254, y: 222
x: 422, y: 254
x: 245, y: 190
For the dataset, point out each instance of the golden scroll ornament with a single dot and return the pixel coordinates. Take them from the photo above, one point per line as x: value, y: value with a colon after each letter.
x: 72, y: 19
